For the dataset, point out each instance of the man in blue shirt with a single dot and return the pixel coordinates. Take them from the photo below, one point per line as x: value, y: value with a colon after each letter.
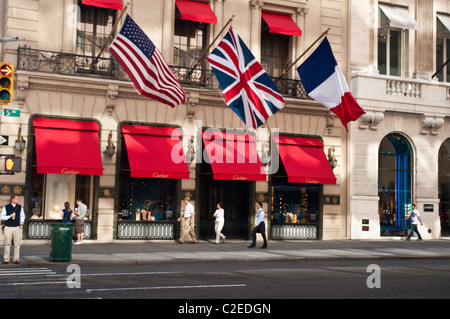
x: 259, y: 227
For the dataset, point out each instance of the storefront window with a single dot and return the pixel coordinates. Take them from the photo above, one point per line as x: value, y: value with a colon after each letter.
x: 294, y: 203
x: 145, y: 199
x: 394, y: 183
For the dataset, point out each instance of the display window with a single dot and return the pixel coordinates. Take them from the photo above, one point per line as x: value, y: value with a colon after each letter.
x: 444, y: 187
x: 152, y: 165
x: 394, y: 184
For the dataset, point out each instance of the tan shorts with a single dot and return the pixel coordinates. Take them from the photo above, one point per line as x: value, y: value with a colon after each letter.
x: 79, y: 226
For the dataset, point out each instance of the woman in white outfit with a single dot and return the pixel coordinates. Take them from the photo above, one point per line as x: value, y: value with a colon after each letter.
x: 220, y: 220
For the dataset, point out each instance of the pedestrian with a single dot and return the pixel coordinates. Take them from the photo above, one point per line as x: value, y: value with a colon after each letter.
x: 80, y: 214
x: 415, y: 218
x: 14, y: 216
x: 187, y: 223
x: 67, y: 214
x: 220, y: 221
x: 259, y: 227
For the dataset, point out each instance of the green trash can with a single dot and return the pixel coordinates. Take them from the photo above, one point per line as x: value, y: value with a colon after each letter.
x: 61, y: 242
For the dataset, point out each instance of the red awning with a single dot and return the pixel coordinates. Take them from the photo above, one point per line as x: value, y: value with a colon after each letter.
x: 196, y: 11
x: 281, y: 24
x: 233, y: 156
x: 108, y: 4
x: 155, y: 152
x: 67, y: 147
x: 304, y: 160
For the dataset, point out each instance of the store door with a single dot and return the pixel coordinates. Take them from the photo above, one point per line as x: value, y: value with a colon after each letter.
x: 444, y: 187
x: 237, y: 200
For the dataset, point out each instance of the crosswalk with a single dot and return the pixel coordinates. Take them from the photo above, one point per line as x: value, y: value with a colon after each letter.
x: 10, y: 277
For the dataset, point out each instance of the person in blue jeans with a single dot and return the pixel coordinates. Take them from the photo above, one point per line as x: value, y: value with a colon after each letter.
x: 415, y: 218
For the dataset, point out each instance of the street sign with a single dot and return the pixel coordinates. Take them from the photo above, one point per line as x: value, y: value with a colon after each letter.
x: 10, y: 113
x: 4, y: 139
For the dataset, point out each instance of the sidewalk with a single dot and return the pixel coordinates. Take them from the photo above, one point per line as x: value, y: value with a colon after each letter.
x: 120, y: 253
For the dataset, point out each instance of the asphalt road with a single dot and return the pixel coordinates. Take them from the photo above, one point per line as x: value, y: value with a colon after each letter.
x: 390, y: 279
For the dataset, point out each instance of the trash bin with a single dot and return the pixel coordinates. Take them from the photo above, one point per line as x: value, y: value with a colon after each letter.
x: 61, y: 242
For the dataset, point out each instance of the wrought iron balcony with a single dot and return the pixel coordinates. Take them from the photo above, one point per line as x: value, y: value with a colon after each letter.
x: 108, y: 68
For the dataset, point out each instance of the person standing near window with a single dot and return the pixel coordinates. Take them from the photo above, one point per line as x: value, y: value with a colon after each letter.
x: 14, y: 216
x: 80, y: 213
x: 66, y: 214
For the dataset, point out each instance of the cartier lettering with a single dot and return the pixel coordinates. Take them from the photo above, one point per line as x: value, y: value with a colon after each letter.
x: 69, y: 171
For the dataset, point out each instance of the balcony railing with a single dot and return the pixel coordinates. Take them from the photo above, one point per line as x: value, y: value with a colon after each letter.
x: 108, y: 68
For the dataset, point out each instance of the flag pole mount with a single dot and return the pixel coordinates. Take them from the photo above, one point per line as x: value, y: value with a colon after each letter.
x: 200, y: 59
x: 111, y: 33
x: 303, y: 54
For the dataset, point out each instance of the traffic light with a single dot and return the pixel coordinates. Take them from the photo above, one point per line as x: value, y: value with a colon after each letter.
x: 6, y: 82
x: 13, y: 164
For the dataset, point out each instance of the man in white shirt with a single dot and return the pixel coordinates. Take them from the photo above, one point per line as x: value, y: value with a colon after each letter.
x: 259, y: 227
x: 415, y: 218
x: 14, y: 216
x: 80, y: 214
x: 187, y: 223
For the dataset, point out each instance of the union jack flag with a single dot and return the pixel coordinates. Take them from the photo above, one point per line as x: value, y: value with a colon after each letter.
x: 248, y: 89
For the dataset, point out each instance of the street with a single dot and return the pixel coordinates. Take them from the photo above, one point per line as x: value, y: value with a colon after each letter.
x: 402, y: 279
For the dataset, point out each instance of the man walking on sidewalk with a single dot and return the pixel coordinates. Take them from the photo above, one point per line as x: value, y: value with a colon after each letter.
x: 415, y: 218
x: 14, y: 216
x: 187, y: 223
x: 259, y: 227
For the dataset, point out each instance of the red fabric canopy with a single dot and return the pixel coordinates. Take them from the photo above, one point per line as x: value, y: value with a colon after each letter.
x: 304, y: 160
x: 196, y: 11
x: 155, y: 152
x: 108, y: 4
x: 233, y: 156
x: 281, y: 24
x: 67, y: 147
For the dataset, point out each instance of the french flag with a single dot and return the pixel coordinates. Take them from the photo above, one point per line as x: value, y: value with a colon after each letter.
x: 325, y: 83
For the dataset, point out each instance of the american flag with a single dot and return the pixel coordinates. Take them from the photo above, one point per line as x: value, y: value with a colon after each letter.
x: 145, y: 65
x: 248, y: 89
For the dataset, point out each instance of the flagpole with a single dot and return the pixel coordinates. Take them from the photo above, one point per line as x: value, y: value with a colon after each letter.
x: 207, y: 49
x: 303, y: 54
x: 111, y: 33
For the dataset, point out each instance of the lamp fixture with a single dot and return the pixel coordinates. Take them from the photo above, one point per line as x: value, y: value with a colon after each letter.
x: 110, y: 148
x: 331, y: 158
x: 20, y: 142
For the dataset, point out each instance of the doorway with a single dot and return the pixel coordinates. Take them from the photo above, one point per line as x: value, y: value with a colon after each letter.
x: 238, y: 205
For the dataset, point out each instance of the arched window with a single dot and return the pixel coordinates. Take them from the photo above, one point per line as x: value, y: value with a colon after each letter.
x: 394, y: 184
x: 444, y: 187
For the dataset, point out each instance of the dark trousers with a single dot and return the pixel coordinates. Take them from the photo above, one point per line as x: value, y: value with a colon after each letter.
x: 261, y: 228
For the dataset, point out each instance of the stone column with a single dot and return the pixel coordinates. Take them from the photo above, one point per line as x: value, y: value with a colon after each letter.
x: 424, y: 39
x: 255, y: 32
x: 168, y: 31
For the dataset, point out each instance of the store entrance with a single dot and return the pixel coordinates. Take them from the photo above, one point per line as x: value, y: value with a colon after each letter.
x: 444, y: 187
x: 236, y: 197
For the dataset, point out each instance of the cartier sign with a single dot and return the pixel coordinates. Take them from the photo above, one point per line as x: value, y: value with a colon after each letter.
x: 67, y: 171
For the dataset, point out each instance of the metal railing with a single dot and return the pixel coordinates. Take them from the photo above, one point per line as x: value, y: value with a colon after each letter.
x: 43, y: 229
x: 80, y: 65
